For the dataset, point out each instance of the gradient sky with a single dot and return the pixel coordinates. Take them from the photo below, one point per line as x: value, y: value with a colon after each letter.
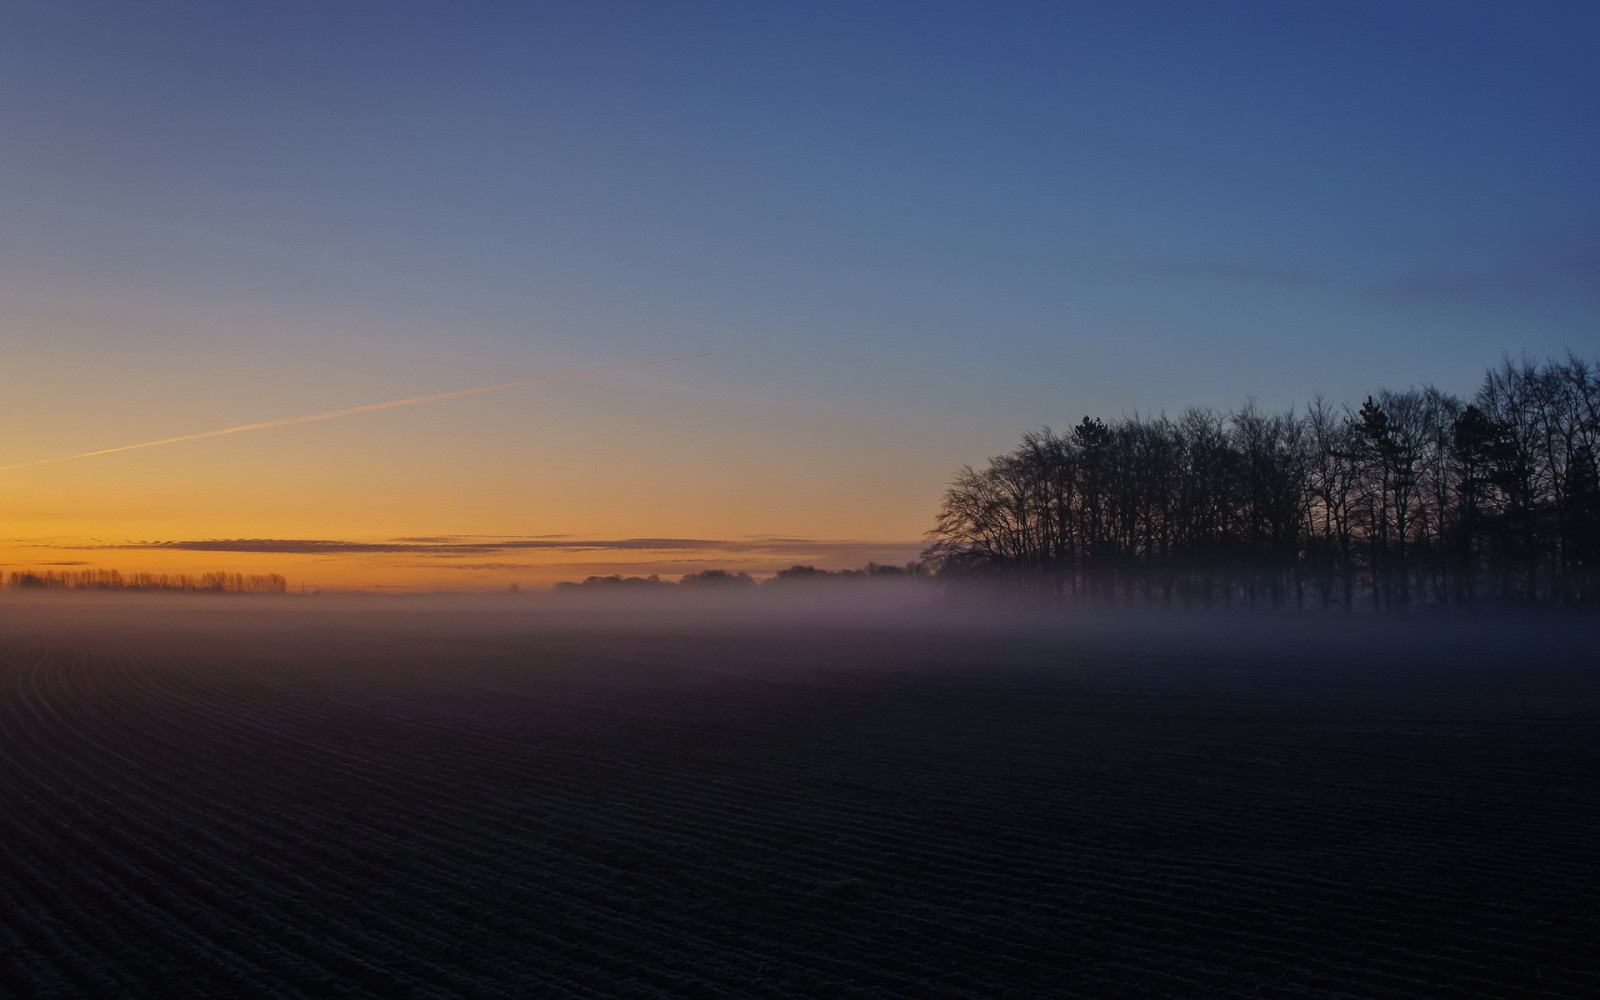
x: 906, y: 232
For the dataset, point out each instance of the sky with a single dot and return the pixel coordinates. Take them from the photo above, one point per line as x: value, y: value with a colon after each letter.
x: 904, y: 233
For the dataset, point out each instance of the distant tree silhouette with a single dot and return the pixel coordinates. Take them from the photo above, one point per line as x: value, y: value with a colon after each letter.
x: 110, y: 579
x: 796, y: 574
x: 606, y: 582
x: 717, y: 578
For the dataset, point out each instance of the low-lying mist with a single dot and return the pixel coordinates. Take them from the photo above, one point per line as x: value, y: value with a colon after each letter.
x: 903, y: 621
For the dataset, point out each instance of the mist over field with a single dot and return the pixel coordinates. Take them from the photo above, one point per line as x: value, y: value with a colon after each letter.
x: 878, y: 790
x: 991, y: 628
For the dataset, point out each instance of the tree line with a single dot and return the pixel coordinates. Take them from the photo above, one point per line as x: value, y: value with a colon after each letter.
x: 110, y: 579
x: 716, y: 578
x: 1413, y: 497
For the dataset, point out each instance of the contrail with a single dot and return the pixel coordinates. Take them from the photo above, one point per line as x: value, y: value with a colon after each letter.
x: 345, y: 413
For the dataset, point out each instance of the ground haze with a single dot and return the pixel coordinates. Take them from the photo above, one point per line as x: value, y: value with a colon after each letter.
x: 872, y: 793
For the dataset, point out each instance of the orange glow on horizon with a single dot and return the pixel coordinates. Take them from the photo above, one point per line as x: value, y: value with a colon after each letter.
x: 682, y: 457
x: 422, y: 568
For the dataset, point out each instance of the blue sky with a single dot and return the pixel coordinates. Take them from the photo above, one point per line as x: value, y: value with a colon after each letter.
x: 942, y: 223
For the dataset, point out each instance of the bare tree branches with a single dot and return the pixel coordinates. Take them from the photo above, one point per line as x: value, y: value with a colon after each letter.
x: 1414, y: 497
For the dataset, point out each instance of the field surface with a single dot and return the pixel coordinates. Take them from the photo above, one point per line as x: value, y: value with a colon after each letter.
x: 384, y: 804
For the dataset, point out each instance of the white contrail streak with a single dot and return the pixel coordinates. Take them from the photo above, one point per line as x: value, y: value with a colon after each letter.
x: 345, y: 413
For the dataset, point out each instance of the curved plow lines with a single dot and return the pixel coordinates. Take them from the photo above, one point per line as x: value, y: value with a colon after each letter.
x: 512, y: 821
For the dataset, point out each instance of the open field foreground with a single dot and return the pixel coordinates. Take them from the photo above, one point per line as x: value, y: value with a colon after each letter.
x: 247, y: 798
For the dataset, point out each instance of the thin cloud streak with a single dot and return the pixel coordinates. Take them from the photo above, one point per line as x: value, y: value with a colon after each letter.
x: 347, y: 412
x: 446, y: 548
x: 450, y: 548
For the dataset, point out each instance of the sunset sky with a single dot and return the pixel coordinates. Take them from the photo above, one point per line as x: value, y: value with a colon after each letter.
x: 904, y: 233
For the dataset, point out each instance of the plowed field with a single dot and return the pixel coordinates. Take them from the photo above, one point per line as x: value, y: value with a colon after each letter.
x: 361, y: 809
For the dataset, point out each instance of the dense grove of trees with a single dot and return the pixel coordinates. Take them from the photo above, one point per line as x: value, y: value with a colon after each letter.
x: 110, y: 579
x: 1414, y: 496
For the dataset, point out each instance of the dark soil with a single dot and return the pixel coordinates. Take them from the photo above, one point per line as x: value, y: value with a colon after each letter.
x: 364, y: 811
